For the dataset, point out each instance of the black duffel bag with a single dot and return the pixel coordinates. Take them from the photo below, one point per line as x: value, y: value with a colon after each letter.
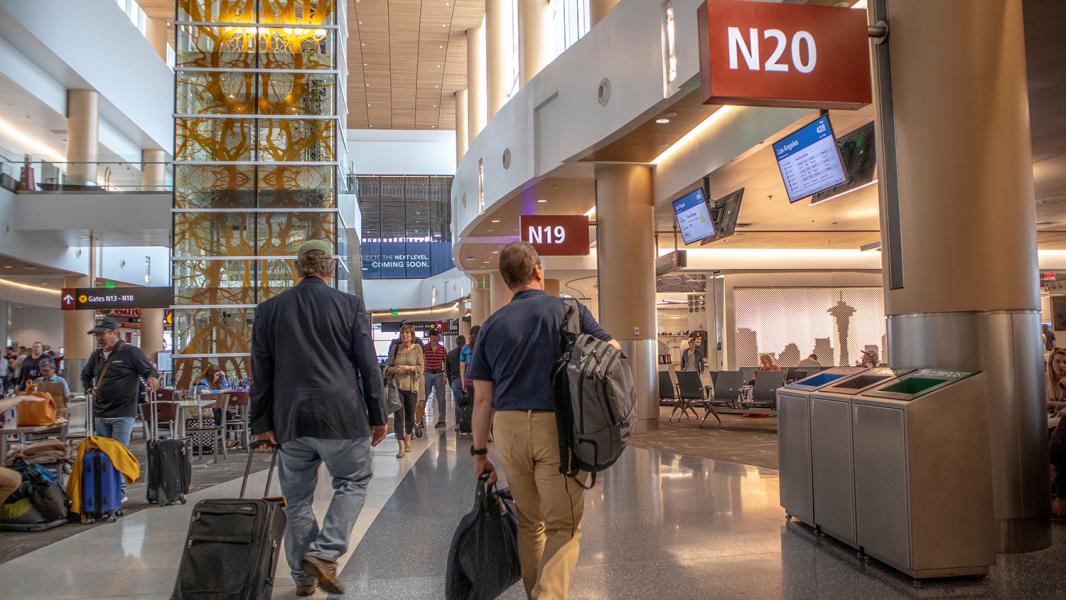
x: 483, y: 559
x: 42, y: 489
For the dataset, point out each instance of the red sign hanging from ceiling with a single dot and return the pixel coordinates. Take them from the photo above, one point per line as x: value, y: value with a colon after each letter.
x: 785, y: 55
x: 556, y: 235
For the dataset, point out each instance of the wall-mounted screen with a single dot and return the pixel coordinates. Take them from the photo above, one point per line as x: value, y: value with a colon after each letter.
x: 724, y: 213
x: 859, y: 151
x: 809, y: 160
x: 693, y: 216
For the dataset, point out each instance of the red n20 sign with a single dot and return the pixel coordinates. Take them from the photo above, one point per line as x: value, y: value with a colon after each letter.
x: 788, y: 55
x: 556, y: 235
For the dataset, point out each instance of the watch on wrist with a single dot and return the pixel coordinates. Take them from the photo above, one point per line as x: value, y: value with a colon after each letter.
x: 478, y: 451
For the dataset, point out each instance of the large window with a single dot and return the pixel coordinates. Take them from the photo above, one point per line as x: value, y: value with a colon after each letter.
x: 406, y: 226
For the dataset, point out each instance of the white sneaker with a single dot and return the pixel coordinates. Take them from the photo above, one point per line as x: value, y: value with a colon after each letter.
x: 125, y: 498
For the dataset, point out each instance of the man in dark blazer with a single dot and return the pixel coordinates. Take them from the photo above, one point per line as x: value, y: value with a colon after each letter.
x: 317, y: 391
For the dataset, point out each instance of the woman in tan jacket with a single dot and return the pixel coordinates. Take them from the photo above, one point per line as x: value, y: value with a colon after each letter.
x: 406, y: 367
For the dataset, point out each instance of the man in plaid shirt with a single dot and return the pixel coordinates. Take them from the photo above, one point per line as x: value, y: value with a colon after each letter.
x: 436, y: 355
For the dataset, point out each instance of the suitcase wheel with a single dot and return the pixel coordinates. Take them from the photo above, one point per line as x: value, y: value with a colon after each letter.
x: 182, y: 500
x: 111, y: 518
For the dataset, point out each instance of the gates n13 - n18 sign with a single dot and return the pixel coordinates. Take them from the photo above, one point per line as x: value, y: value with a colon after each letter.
x: 787, y: 55
x: 556, y: 235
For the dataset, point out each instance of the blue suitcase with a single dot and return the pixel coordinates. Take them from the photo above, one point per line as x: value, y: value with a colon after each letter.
x: 101, y: 488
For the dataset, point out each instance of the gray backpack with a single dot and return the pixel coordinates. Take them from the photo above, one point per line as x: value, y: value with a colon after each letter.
x: 594, y: 399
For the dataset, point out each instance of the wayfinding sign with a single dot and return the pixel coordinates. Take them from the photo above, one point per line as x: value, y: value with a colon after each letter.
x: 788, y: 55
x: 556, y: 235
x: 116, y: 298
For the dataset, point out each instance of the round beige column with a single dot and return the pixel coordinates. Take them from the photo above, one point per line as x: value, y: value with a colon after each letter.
x: 151, y: 332
x: 598, y: 9
x: 497, y: 54
x: 475, y: 81
x: 77, y: 344
x: 534, y: 38
x: 499, y: 294
x: 479, y: 303
x: 461, y: 126
x: 153, y: 170
x: 625, y: 254
x: 970, y: 299
x: 83, y: 136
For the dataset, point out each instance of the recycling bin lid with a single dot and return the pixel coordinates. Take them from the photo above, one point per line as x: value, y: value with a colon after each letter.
x: 917, y: 384
x: 823, y: 378
x: 863, y: 381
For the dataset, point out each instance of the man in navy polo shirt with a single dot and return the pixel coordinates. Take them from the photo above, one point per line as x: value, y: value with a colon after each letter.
x: 511, y: 368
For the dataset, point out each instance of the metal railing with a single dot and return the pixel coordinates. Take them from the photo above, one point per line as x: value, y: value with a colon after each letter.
x: 43, y: 176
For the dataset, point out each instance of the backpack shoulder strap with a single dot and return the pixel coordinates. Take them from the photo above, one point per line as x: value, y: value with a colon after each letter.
x: 571, y: 316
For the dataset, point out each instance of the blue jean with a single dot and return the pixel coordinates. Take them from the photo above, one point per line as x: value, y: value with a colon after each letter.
x: 457, y: 395
x: 119, y: 429
x: 436, y: 383
x: 349, y: 464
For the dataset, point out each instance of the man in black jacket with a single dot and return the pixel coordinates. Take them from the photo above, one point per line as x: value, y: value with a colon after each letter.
x: 113, y: 373
x: 317, y: 391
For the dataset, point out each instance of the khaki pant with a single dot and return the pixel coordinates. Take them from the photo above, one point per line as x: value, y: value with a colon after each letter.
x: 549, y: 504
x: 9, y: 482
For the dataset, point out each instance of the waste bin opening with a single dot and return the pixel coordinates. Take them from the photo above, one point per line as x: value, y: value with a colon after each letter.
x: 862, y: 381
x: 912, y: 385
x: 820, y: 379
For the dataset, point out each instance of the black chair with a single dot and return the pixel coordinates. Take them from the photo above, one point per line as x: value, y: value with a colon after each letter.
x: 797, y: 375
x: 714, y: 378
x: 766, y: 384
x: 667, y: 391
x: 748, y: 373
x: 788, y: 373
x: 690, y: 391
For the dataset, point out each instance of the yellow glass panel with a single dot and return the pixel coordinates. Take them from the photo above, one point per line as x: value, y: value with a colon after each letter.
x: 215, y: 93
x: 203, y: 46
x: 280, y: 234
x: 296, y: 48
x: 217, y: 11
x: 297, y: 94
x: 297, y: 12
x: 213, y: 139
x: 291, y: 140
x: 288, y: 186
x: 213, y: 282
x: 213, y: 234
x: 214, y: 186
x: 276, y: 276
x: 213, y: 330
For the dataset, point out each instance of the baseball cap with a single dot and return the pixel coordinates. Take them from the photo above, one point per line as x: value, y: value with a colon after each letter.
x: 309, y: 245
x: 105, y: 324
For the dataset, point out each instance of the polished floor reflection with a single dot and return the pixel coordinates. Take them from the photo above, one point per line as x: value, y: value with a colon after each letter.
x: 657, y: 526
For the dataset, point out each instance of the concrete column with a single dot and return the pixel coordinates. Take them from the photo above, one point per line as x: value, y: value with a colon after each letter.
x: 475, y: 81
x: 156, y: 32
x: 77, y: 345
x: 83, y: 129
x: 598, y: 9
x: 498, y: 292
x: 534, y: 38
x: 462, y: 117
x: 551, y: 286
x: 626, y: 265
x: 151, y: 331
x: 965, y: 177
x: 497, y: 53
x: 479, y: 303
x: 153, y: 170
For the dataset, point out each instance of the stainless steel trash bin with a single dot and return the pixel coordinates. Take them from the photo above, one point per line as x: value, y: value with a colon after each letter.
x: 923, y: 480
x: 832, y: 467
x: 794, y: 440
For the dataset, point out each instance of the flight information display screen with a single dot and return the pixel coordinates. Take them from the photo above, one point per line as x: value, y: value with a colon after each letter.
x: 809, y: 160
x: 693, y: 216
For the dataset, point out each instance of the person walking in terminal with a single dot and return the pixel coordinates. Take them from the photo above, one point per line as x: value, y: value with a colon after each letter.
x: 512, y: 372
x: 455, y: 380
x: 113, y: 376
x: 329, y: 408
x: 31, y: 365
x: 464, y: 361
x: 692, y: 358
x: 406, y: 365
x: 1056, y: 382
x: 435, y: 355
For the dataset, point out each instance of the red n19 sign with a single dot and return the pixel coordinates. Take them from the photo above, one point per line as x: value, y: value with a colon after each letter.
x: 556, y: 235
x: 795, y: 55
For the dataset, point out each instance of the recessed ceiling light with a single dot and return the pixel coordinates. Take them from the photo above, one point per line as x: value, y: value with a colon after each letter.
x: 662, y: 121
x: 495, y: 220
x: 8, y: 267
x: 367, y: 85
x: 364, y: 64
x: 364, y: 43
x: 495, y: 251
x: 435, y: 85
x: 438, y: 66
x: 542, y: 201
x: 442, y: 45
x: 360, y: 22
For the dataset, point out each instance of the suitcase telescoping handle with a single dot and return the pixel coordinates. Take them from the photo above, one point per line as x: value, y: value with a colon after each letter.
x: 248, y: 466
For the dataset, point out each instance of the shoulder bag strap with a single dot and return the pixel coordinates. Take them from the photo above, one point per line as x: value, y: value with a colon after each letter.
x: 107, y: 365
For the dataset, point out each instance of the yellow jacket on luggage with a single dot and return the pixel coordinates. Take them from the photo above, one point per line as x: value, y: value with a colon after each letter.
x: 121, y: 458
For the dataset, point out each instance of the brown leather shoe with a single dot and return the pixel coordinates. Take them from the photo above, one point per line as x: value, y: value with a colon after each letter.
x: 307, y: 589
x: 325, y: 571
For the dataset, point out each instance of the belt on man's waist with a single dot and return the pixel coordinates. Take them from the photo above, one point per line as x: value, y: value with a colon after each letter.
x: 434, y: 372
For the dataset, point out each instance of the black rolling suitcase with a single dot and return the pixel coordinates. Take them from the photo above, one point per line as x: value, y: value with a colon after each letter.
x: 466, y: 413
x: 169, y: 464
x: 232, y: 549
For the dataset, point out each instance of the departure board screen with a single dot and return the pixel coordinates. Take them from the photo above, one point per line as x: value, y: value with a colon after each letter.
x: 809, y: 160
x: 693, y: 216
